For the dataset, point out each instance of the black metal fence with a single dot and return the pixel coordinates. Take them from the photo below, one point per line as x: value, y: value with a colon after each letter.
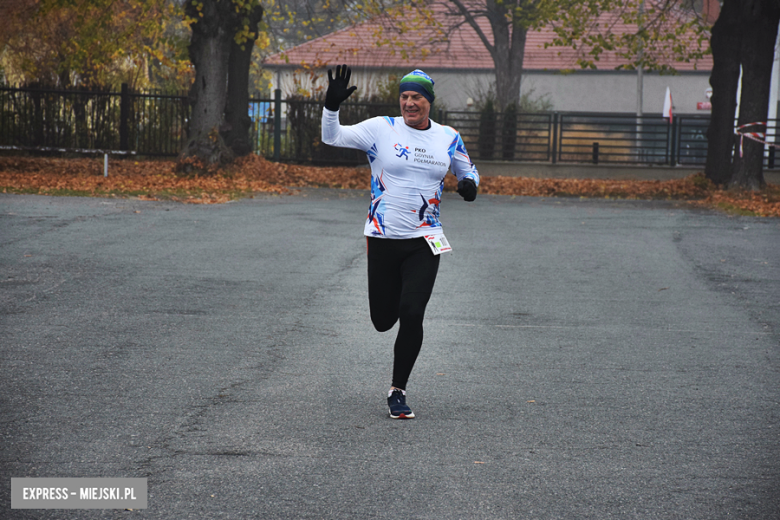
x: 610, y: 138
x: 289, y: 130
x: 147, y: 124
x: 525, y: 137
x: 299, y: 133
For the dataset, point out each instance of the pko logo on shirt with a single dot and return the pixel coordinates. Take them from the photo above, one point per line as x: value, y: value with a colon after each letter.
x: 403, y: 151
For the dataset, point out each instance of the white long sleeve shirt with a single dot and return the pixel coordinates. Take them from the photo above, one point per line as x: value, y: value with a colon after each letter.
x: 408, y: 167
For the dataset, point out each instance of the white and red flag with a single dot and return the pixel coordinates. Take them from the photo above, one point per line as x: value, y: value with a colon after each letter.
x: 668, y: 107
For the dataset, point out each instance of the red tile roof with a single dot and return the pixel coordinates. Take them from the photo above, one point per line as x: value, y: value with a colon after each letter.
x: 464, y: 50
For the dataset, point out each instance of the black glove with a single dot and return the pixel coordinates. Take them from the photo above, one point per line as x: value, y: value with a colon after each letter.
x: 337, y: 87
x: 467, y: 189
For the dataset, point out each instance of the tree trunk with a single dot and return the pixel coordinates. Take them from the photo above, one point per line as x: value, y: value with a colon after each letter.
x: 209, y: 50
x: 507, y: 48
x: 724, y: 79
x: 80, y: 119
x: 509, y: 44
x: 759, y: 33
x: 509, y: 132
x: 237, y: 121
x: 510, y: 76
x: 487, y: 132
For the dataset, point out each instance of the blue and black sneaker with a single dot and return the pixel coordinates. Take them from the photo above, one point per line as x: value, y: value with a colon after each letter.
x: 397, y: 403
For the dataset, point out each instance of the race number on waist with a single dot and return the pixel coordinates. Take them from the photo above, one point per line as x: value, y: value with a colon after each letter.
x: 438, y: 244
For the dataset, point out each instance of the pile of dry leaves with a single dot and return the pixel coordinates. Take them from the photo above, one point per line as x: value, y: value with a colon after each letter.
x: 158, y: 180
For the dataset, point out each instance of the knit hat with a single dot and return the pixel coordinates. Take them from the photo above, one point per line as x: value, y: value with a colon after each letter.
x: 418, y: 81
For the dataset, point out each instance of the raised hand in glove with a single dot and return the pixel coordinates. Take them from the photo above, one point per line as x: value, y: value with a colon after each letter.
x: 467, y: 189
x: 338, y: 87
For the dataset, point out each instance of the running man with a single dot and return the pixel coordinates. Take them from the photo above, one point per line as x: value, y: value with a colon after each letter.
x: 409, y: 156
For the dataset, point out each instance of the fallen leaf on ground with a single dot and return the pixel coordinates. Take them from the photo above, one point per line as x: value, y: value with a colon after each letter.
x: 158, y: 180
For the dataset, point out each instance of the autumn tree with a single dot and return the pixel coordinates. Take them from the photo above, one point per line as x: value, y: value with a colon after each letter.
x: 84, y: 43
x: 510, y: 22
x: 294, y: 22
x: 651, y: 36
x: 102, y: 43
x: 743, y: 38
x: 223, y: 34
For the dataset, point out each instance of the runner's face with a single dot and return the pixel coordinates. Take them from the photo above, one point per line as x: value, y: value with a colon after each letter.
x: 415, y: 109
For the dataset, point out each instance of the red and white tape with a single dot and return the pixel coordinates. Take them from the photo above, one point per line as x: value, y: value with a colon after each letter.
x: 755, y: 136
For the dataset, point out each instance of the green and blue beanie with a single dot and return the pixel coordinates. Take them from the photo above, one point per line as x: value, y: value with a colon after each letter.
x: 418, y: 81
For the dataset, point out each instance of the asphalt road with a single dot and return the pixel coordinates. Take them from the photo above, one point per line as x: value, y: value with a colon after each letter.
x: 582, y: 359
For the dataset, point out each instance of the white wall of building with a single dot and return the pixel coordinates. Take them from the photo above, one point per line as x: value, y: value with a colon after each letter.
x: 580, y: 91
x: 617, y: 91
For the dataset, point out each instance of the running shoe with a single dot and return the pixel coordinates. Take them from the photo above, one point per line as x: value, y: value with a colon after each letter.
x: 397, y: 403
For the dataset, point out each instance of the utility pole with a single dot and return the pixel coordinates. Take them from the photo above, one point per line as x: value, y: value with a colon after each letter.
x: 772, y: 126
x: 640, y: 69
x: 640, y: 87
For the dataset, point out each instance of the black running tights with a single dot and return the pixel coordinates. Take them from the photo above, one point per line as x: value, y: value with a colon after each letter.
x: 401, y: 274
